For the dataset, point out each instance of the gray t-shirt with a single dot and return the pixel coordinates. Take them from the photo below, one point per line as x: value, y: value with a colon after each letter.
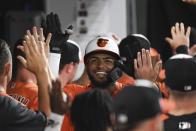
x: 16, y: 117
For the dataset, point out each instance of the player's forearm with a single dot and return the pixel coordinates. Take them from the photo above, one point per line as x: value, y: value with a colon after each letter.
x: 43, y: 92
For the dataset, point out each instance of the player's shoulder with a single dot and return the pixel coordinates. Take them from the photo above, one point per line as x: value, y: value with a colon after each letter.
x: 191, y: 116
x: 127, y: 80
x: 73, y: 87
x: 19, y: 84
x: 7, y: 101
x: 22, y: 88
x: 119, y: 86
x: 182, y: 122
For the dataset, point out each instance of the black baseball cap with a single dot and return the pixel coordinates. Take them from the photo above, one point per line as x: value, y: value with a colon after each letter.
x: 180, y: 73
x: 134, y: 104
x: 129, y: 47
x: 70, y: 52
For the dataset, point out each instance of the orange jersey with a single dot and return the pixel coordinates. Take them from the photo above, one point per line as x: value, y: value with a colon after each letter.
x: 126, y: 81
x: 24, y: 92
x: 74, y: 90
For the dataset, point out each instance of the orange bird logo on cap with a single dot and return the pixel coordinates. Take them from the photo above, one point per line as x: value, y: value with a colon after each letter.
x: 102, y: 42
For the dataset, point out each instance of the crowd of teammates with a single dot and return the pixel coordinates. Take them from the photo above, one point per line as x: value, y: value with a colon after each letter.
x: 124, y: 86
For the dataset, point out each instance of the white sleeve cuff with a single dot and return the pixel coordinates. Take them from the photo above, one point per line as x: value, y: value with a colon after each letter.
x: 146, y: 83
x: 54, y: 122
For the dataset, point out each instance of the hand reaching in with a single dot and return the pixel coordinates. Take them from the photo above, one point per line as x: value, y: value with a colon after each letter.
x: 52, y: 25
x: 143, y: 66
x: 179, y: 36
x: 40, y: 37
x: 35, y: 60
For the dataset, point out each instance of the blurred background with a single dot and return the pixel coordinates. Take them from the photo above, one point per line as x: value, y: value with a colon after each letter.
x: 152, y: 18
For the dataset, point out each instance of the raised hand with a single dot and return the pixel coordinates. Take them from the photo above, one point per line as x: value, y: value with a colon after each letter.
x: 144, y: 68
x: 179, y: 36
x: 35, y: 56
x: 36, y: 62
x: 52, y: 25
x: 40, y: 37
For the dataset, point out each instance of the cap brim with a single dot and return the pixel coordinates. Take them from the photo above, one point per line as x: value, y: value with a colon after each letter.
x: 101, y: 52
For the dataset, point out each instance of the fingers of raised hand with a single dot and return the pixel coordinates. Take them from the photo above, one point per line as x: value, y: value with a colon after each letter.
x: 35, y: 34
x: 139, y: 60
x: 144, y: 58
x: 182, y: 28
x: 169, y: 40
x: 41, y: 35
x: 135, y: 65
x: 41, y: 47
x: 48, y: 39
x: 20, y: 48
x: 28, y: 33
x: 33, y: 43
x: 30, y: 44
x: 188, y: 31
x: 173, y: 31
x: 177, y: 28
x: 23, y: 61
x: 149, y: 60
x: 26, y: 49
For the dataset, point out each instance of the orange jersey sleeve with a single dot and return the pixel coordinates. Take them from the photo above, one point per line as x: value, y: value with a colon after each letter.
x: 24, y: 92
x: 127, y: 80
x: 74, y: 90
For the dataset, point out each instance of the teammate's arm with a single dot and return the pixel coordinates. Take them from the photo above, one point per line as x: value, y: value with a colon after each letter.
x: 36, y: 62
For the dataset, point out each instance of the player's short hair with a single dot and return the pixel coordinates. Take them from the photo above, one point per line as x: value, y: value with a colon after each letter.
x: 71, y: 52
x: 5, y: 55
x: 90, y: 111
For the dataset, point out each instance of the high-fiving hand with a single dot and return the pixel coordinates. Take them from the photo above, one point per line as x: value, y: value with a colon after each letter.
x: 144, y: 68
x: 179, y: 36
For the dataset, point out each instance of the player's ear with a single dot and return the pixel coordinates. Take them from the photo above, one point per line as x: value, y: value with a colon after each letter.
x: 7, y: 69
